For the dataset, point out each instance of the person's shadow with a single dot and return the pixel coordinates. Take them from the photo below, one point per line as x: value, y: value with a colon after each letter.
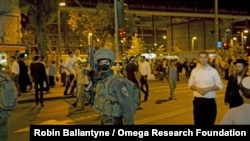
x: 160, y: 101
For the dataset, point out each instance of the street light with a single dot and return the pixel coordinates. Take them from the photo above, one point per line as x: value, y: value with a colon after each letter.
x: 155, y: 44
x: 59, y: 26
x: 243, y: 38
x: 165, y: 38
x: 62, y: 3
x: 194, y: 38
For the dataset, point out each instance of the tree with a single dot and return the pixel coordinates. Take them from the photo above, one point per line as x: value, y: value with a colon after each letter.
x: 38, y: 14
x: 99, y: 22
x: 96, y: 22
x: 136, y: 47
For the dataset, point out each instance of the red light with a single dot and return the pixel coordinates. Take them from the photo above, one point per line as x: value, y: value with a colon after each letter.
x: 226, y: 45
x: 122, y: 33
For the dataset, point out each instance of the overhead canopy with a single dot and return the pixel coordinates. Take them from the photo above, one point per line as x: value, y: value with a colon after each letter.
x: 13, y: 47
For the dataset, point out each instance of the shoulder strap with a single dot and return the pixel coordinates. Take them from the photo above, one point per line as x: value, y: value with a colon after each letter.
x: 112, y: 79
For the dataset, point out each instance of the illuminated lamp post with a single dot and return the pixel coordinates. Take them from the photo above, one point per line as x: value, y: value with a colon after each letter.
x: 165, y: 38
x: 243, y: 38
x: 194, y: 38
x: 62, y: 3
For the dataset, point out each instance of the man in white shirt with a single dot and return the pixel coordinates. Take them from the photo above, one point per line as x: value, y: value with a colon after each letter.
x: 15, y: 70
x: 204, y: 81
x: 62, y: 72
x: 144, y: 68
x: 71, y: 60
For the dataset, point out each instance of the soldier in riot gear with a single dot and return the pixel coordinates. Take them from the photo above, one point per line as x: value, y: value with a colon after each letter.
x: 111, y: 95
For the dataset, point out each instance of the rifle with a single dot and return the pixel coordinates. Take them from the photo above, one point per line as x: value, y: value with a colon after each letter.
x: 92, y: 70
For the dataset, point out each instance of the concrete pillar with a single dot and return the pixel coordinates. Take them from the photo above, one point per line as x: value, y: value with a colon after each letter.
x: 9, y: 23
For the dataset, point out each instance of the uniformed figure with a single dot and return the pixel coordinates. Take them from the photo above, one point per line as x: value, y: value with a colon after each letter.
x: 111, y: 98
x: 4, y: 114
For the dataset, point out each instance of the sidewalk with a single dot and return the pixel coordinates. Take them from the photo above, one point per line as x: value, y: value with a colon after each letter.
x: 55, y: 93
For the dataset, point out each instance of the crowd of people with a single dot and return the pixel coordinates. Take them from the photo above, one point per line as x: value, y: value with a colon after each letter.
x: 203, y: 74
x: 36, y: 74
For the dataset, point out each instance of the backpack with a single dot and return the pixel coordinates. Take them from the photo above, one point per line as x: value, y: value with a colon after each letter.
x: 133, y: 91
x: 8, y: 93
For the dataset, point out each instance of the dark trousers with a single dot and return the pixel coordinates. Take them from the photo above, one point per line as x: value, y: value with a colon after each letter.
x: 187, y: 73
x: 23, y: 86
x: 144, y: 82
x: 71, y: 77
x: 63, y: 78
x: 4, y: 128
x: 204, y: 111
x: 39, y: 92
x: 52, y: 82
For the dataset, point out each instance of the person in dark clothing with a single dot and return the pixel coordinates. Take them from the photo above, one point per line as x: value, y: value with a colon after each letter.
x: 192, y: 64
x: 186, y: 67
x: 159, y: 70
x: 179, y: 68
x: 132, y: 71
x: 46, y: 86
x: 232, y: 96
x: 31, y: 78
x: 226, y: 68
x: 23, y: 75
x: 38, y: 73
x: 52, y: 73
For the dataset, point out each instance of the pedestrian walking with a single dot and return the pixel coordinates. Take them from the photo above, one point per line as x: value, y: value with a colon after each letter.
x: 145, y: 71
x: 39, y: 75
x: 69, y: 66
x: 172, y: 78
x: 52, y: 73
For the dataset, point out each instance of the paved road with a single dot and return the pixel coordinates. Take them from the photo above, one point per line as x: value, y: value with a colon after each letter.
x: 156, y: 111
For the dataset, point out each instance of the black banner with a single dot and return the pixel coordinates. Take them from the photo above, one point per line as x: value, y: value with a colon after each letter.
x: 38, y: 132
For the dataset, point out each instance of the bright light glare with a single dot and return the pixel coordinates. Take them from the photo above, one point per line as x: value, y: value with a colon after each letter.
x: 62, y: 4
